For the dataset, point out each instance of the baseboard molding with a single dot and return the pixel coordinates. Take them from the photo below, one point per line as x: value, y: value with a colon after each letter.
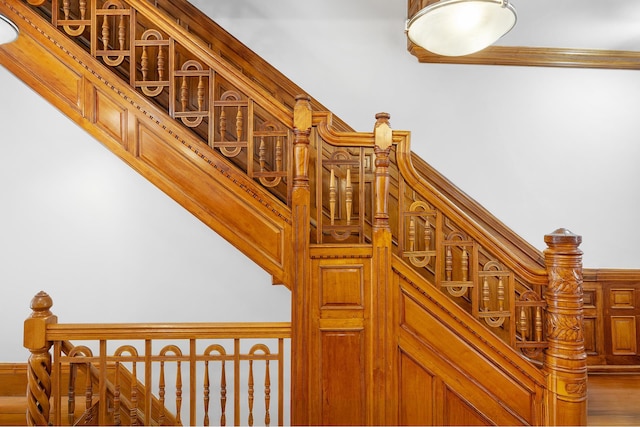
x: 614, y: 369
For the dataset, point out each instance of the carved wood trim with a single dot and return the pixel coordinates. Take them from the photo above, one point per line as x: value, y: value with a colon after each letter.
x: 536, y: 57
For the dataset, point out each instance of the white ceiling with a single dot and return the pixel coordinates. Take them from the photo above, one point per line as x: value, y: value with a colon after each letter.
x: 585, y: 24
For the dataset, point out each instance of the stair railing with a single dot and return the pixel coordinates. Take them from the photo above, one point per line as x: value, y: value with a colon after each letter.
x: 169, y: 62
x: 428, y: 233
x: 215, y: 371
x: 178, y: 72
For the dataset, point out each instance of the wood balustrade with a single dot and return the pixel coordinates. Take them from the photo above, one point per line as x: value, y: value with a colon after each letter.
x: 200, y: 373
x: 376, y: 246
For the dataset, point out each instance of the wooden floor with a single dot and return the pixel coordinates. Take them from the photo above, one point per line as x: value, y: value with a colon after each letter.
x: 613, y: 400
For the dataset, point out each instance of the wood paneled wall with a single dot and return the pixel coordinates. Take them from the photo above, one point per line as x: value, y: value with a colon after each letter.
x: 612, y: 319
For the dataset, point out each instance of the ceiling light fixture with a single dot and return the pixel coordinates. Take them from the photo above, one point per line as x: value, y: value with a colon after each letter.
x: 460, y: 27
x: 8, y: 30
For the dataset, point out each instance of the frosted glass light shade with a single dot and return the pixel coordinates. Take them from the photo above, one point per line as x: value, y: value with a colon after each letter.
x: 461, y: 27
x: 8, y: 30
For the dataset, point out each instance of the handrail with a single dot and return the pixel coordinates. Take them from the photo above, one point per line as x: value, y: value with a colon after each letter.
x: 150, y: 331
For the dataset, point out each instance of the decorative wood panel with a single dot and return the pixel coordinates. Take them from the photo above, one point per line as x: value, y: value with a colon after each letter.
x: 341, y: 287
x: 623, y: 335
x: 109, y: 116
x: 339, y: 344
x: 622, y: 298
x: 62, y: 82
x: 593, y: 324
x: 343, y: 379
x: 620, y: 317
x: 458, y: 412
x: 416, y: 401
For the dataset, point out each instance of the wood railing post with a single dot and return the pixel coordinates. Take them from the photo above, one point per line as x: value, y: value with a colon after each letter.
x: 301, y: 217
x: 565, y: 360
x: 384, y: 401
x: 39, y: 365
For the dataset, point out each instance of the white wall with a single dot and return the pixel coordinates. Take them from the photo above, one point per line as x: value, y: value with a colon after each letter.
x: 540, y: 148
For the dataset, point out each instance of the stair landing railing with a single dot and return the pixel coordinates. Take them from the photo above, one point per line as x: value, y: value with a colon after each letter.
x: 187, y: 373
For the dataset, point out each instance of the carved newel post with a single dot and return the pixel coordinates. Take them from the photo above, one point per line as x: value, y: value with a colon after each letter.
x: 301, y: 218
x: 39, y: 366
x: 565, y: 360
x: 384, y: 404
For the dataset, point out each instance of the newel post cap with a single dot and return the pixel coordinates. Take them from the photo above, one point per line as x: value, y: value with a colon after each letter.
x: 562, y: 237
x: 35, y: 326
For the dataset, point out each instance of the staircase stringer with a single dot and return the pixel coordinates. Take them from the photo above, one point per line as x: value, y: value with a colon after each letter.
x: 149, y: 141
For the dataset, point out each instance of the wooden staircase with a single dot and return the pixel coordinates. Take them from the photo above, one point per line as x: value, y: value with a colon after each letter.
x: 411, y: 303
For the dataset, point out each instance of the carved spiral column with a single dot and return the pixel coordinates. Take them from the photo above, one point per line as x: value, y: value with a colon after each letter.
x: 39, y: 365
x: 565, y: 360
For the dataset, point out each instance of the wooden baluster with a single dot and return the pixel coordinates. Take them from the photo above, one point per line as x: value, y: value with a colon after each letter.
x: 144, y: 63
x: 161, y: 394
x: 565, y: 359
x: 122, y: 33
x: 223, y: 124
x: 116, y: 396
x: 133, y: 411
x: 160, y: 63
x: 448, y: 265
x: 206, y: 393
x: 201, y: 90
x: 262, y: 154
x: 88, y: 392
x: 500, y: 295
x: 71, y: 393
x: 83, y: 9
x: 106, y: 32
x: 178, y: 393
x: 465, y: 265
x: 66, y: 10
x: 427, y: 235
x: 39, y: 364
x: 279, y: 154
x: 524, y: 324
x: 538, y: 324
x: 412, y: 234
x: 239, y: 124
x: 332, y: 196
x: 349, y: 195
x: 223, y: 396
x: 267, y: 394
x: 486, y: 294
x: 184, y: 94
x: 250, y: 392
